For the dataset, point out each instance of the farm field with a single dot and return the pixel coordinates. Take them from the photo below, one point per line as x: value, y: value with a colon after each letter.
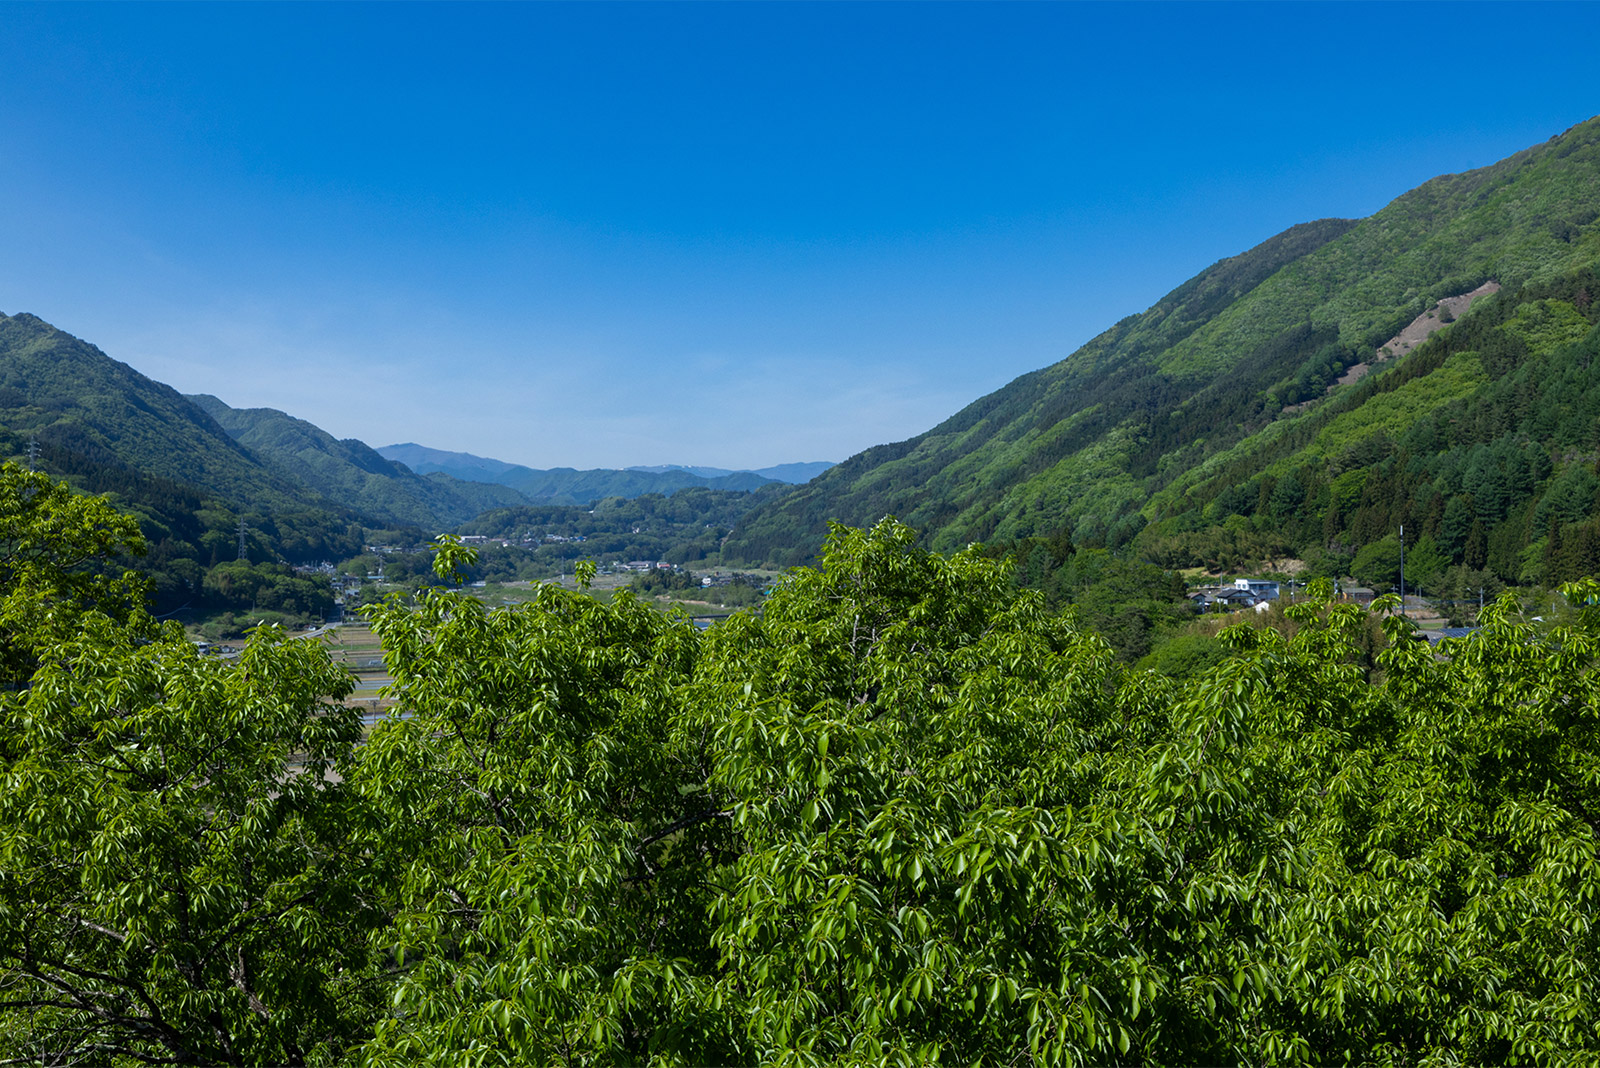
x: 354, y: 646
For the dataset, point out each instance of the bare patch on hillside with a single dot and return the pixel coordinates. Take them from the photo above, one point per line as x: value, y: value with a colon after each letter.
x: 1423, y: 326
x: 1416, y: 332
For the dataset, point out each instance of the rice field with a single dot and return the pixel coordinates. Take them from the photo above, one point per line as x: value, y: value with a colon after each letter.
x: 358, y: 649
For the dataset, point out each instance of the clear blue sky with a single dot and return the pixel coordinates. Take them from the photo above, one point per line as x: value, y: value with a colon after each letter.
x: 736, y: 235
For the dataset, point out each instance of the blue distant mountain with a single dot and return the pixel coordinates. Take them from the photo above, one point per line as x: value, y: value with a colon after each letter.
x: 566, y: 485
x: 794, y: 474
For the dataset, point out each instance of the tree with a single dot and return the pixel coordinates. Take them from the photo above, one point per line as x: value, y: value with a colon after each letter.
x: 541, y: 821
x: 1425, y: 565
x: 1378, y: 563
x: 837, y: 765
x: 58, y: 552
x: 178, y: 878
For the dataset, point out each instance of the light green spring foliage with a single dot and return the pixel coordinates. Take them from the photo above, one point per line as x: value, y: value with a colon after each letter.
x: 516, y: 807
x: 178, y: 883
x: 57, y: 553
x: 905, y: 815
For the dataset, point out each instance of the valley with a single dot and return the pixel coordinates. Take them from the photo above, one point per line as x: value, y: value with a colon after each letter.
x: 1431, y: 367
x: 1224, y: 690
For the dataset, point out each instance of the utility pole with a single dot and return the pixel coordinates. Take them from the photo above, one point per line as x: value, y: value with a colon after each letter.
x: 33, y: 453
x: 1402, y: 569
x: 241, y: 537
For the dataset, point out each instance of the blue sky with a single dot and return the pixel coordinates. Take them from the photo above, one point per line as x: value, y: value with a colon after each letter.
x: 736, y: 235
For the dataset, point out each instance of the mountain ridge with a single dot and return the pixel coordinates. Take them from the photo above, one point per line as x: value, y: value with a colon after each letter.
x: 1083, y: 446
x: 69, y: 394
x: 350, y: 471
x: 566, y: 485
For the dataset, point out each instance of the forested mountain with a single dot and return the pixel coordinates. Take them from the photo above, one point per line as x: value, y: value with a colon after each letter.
x: 462, y: 465
x: 352, y: 472
x: 74, y: 398
x: 196, y: 493
x: 1230, y: 423
x: 568, y: 486
x: 682, y: 527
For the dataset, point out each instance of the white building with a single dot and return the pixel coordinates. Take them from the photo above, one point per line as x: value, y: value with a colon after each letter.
x: 1260, y: 588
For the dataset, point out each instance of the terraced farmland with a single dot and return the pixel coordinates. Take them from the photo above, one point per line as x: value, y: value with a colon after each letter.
x: 358, y: 649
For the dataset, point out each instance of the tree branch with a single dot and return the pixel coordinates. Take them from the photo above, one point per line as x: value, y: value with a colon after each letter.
x: 687, y: 821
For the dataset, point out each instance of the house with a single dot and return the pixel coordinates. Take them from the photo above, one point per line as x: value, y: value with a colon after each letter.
x: 1223, y: 598
x: 1263, y: 589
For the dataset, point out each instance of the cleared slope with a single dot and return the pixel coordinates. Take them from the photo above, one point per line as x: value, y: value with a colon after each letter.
x: 1484, y: 444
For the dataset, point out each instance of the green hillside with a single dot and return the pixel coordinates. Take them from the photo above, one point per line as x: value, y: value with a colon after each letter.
x: 1482, y: 444
x: 1158, y: 429
x: 74, y: 398
x: 353, y: 473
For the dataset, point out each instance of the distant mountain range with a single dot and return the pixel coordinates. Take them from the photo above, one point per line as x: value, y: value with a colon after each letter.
x: 566, y: 485
x: 106, y: 423
x: 794, y: 474
x: 1302, y: 399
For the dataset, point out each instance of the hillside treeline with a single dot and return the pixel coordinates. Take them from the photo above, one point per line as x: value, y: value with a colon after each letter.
x: 1499, y: 478
x: 683, y: 527
x: 906, y: 814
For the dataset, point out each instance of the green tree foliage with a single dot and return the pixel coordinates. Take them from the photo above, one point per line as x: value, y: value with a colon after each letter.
x: 662, y: 581
x: 1185, y: 655
x: 242, y: 585
x: 906, y: 813
x: 909, y: 813
x: 174, y: 889
x: 179, y: 881
x: 1127, y: 602
x: 1378, y: 564
x: 58, y: 558
x: 527, y: 802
